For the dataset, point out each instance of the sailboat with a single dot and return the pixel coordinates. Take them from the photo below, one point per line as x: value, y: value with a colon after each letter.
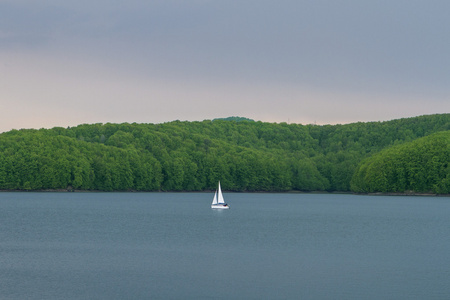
x: 218, y: 201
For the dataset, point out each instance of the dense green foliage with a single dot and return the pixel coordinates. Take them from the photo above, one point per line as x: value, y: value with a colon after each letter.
x: 193, y: 156
x: 421, y: 166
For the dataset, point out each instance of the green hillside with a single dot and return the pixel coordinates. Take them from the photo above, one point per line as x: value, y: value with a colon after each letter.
x: 192, y: 156
x: 421, y: 166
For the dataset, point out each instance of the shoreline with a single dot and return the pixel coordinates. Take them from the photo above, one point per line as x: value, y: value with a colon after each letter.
x: 399, y: 194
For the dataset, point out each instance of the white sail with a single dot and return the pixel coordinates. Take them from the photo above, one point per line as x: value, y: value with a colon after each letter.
x: 215, y: 198
x: 220, y: 199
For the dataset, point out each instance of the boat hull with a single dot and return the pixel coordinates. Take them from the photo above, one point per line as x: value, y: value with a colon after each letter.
x: 219, y: 206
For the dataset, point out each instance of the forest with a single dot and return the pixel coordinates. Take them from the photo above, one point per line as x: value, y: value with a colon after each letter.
x: 421, y: 166
x: 404, y: 155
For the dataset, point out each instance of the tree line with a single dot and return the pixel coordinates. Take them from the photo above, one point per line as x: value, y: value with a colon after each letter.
x: 192, y: 156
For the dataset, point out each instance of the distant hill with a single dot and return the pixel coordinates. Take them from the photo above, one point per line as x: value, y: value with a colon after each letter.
x: 237, y: 119
x: 192, y: 156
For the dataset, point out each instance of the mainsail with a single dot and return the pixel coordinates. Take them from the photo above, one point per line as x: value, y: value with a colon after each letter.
x: 220, y: 199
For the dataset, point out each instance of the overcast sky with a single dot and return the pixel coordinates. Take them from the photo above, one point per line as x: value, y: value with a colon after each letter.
x: 63, y: 63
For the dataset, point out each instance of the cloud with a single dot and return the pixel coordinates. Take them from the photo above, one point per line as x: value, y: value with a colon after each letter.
x: 269, y: 60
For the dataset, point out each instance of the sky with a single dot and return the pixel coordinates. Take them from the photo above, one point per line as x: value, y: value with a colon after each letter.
x: 65, y: 63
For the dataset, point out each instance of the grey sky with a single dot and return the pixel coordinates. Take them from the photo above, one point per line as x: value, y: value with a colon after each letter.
x: 63, y: 63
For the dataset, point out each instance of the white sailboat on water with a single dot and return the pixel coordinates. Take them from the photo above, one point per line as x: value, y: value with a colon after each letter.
x: 218, y: 201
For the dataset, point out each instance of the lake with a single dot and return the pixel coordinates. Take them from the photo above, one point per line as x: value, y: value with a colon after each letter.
x: 267, y: 246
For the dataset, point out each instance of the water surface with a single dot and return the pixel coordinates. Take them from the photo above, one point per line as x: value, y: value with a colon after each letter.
x: 267, y: 246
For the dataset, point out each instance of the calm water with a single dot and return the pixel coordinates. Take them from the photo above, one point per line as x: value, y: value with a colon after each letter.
x: 267, y: 246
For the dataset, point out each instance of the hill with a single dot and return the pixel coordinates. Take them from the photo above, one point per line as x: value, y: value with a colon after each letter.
x: 192, y: 156
x: 420, y: 166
